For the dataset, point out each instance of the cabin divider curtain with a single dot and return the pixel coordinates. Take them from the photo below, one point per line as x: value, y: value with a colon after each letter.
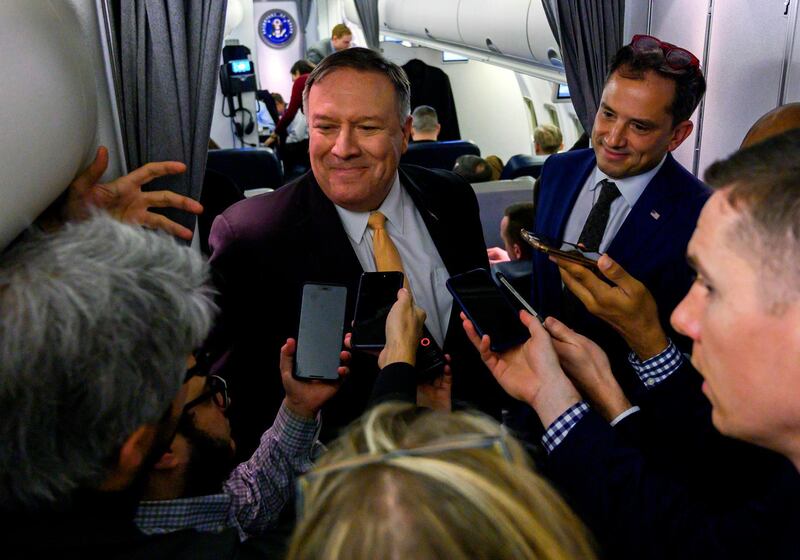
x: 169, y: 54
x: 591, y: 33
x: 368, y: 14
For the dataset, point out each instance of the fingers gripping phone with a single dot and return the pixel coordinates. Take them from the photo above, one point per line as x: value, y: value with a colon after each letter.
x: 377, y: 292
x: 488, y: 309
x: 319, y: 338
x: 561, y: 249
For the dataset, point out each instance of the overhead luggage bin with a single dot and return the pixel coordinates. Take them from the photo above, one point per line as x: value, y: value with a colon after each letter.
x: 542, y: 42
x: 433, y: 19
x: 499, y: 27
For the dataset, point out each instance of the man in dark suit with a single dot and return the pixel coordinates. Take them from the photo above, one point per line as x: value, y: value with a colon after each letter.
x: 627, y: 196
x: 320, y: 228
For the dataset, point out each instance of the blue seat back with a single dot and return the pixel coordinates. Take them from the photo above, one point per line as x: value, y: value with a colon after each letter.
x: 438, y: 155
x: 522, y: 165
x: 248, y: 168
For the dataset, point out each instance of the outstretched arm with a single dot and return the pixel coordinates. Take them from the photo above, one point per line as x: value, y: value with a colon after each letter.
x: 124, y: 198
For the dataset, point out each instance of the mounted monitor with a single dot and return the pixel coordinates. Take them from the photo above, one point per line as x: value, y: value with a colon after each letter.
x: 561, y: 93
x: 453, y: 57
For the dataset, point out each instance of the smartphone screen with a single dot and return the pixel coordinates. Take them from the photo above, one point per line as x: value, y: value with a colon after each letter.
x: 562, y: 249
x: 377, y: 292
x: 488, y: 309
x: 319, y: 339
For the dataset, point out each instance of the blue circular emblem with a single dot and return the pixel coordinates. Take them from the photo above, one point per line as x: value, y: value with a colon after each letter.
x: 276, y: 28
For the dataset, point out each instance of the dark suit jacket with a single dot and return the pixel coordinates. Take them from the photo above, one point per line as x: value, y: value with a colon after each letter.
x: 266, y: 247
x: 431, y: 86
x: 665, y: 484
x: 650, y: 245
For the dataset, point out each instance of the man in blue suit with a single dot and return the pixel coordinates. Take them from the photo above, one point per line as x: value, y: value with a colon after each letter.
x: 627, y: 196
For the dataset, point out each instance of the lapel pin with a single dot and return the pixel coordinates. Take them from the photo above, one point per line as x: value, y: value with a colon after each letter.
x: 655, y: 215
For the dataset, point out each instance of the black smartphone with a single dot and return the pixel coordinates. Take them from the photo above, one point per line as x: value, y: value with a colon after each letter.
x: 319, y: 338
x: 523, y: 303
x: 488, y: 309
x: 430, y: 357
x: 377, y: 292
x: 562, y: 249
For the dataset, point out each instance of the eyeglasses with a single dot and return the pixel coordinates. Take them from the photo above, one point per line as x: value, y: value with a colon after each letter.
x: 676, y: 58
x: 495, y: 443
x: 216, y: 389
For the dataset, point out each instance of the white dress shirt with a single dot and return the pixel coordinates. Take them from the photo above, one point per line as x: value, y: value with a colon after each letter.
x: 631, y: 188
x: 422, y: 264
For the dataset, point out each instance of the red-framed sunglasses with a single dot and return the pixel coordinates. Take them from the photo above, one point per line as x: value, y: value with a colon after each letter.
x: 676, y: 58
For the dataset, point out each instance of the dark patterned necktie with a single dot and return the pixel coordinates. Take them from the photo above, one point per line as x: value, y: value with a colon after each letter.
x: 590, y: 238
x: 595, y: 226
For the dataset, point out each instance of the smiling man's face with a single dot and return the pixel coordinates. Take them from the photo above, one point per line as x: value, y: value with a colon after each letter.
x: 356, y: 137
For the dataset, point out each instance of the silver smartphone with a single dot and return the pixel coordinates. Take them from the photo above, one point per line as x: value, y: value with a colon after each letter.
x: 319, y: 338
x: 504, y: 281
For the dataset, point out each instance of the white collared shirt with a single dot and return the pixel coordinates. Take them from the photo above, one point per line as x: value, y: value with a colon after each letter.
x: 631, y: 188
x: 422, y: 263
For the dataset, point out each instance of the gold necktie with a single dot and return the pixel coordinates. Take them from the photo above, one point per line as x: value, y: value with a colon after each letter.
x: 386, y: 256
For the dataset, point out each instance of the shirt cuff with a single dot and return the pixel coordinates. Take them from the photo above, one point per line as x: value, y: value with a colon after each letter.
x: 562, y: 425
x: 658, y: 368
x: 624, y: 415
x: 294, y: 433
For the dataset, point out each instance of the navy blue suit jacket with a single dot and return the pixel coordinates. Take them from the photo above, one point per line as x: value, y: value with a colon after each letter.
x: 665, y: 484
x: 650, y: 245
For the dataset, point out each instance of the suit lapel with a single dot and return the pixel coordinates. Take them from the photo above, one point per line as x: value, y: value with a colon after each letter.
x: 564, y: 201
x: 650, y: 213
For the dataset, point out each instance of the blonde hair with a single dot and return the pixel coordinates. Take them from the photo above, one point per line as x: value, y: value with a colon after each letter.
x: 340, y: 30
x: 405, y: 484
x: 548, y: 137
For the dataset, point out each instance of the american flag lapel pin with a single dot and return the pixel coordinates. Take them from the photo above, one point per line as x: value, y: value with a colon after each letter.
x: 655, y: 215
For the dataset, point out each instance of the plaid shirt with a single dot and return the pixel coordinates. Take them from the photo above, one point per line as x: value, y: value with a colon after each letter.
x: 651, y: 372
x: 254, y: 494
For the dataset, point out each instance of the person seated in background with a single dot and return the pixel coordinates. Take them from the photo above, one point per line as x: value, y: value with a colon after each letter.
x: 474, y: 169
x: 547, y: 140
x: 497, y: 166
x: 97, y: 320
x: 196, y: 483
x: 425, y: 125
x: 402, y: 483
x: 341, y: 37
x: 515, y: 261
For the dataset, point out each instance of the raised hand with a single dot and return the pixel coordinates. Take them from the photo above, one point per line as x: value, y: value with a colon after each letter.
x: 124, y: 199
x: 627, y: 305
x: 305, y: 398
x: 403, y: 331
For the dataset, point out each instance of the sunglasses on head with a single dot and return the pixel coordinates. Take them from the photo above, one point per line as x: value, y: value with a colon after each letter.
x: 676, y: 58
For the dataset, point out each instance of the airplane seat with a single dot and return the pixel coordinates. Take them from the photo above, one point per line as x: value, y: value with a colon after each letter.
x: 219, y: 192
x: 438, y: 155
x: 494, y: 197
x: 522, y: 165
x: 248, y: 168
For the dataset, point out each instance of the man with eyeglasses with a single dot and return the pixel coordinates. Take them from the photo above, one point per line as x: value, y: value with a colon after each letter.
x: 196, y: 483
x: 626, y: 196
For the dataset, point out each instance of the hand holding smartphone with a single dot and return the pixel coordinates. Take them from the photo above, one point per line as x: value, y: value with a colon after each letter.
x: 377, y: 292
x: 488, y: 309
x: 319, y: 339
x: 561, y: 249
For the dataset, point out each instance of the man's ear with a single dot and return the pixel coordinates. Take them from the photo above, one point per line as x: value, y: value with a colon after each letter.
x: 131, y: 456
x: 167, y: 462
x: 517, y: 251
x: 679, y: 134
x: 438, y: 129
x: 406, y: 134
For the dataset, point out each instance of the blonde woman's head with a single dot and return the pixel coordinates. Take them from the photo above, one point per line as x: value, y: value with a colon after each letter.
x: 425, y: 485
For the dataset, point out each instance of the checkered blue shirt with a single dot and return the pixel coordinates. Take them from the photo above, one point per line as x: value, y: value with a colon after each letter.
x: 651, y: 372
x: 254, y: 494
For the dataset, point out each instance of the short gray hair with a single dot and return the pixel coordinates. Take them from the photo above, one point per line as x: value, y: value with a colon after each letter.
x: 424, y: 119
x: 96, y: 323
x: 364, y: 60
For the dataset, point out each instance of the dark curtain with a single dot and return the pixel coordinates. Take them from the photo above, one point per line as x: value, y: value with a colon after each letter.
x: 591, y: 33
x: 169, y: 56
x: 368, y: 14
x: 552, y: 19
